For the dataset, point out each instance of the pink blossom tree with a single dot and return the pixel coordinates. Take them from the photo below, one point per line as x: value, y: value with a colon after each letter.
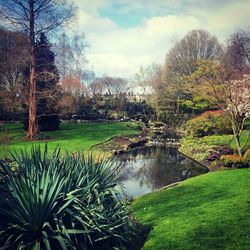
x: 229, y: 94
x: 238, y: 107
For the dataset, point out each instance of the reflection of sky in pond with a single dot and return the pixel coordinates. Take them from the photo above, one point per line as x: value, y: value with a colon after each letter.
x: 146, y: 169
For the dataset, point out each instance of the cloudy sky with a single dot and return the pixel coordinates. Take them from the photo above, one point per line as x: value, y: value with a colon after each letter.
x: 126, y: 34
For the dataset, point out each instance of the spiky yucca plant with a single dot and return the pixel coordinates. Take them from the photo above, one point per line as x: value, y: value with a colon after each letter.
x: 57, y: 202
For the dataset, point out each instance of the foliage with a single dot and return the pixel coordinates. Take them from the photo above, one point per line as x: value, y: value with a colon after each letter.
x: 200, y: 148
x: 247, y: 124
x: 246, y: 157
x: 208, y: 123
x: 47, y: 94
x: 217, y: 151
x: 140, y: 110
x: 233, y: 161
x: 49, y: 122
x: 136, y: 125
x: 196, y: 105
x: 210, y: 211
x: 228, y: 91
x: 61, y: 203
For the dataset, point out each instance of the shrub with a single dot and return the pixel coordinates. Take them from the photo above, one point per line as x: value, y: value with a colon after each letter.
x: 42, y: 137
x: 45, y: 123
x: 136, y: 125
x: 199, y: 148
x: 217, y: 151
x: 213, y: 156
x: 208, y: 123
x: 247, y: 124
x: 61, y: 203
x: 233, y: 161
x: 246, y: 157
x: 49, y: 123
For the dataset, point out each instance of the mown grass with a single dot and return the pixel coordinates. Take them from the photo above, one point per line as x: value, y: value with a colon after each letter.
x: 70, y: 137
x: 211, y: 211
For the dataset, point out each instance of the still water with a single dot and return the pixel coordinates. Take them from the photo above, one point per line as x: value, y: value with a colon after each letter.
x: 146, y: 169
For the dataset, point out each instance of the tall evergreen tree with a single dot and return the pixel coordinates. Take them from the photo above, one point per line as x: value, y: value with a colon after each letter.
x: 47, y: 89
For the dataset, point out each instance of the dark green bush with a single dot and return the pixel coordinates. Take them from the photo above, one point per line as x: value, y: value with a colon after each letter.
x: 45, y: 123
x: 49, y: 123
x: 61, y: 203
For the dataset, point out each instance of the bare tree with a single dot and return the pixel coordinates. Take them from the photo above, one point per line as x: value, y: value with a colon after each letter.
x: 150, y: 80
x: 146, y: 77
x: 13, y: 62
x: 72, y: 85
x: 113, y: 85
x: 70, y: 56
x: 236, y: 59
x: 33, y: 17
x: 79, y: 45
x: 96, y: 88
x: 181, y: 59
x: 63, y: 52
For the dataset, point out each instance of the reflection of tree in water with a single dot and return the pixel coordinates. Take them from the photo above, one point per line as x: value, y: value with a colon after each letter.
x: 157, y: 166
x: 164, y: 169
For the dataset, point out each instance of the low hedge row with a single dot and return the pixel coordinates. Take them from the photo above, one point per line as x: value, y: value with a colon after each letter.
x: 236, y: 161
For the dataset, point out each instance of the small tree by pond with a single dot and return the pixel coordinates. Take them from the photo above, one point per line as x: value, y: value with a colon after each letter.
x: 232, y: 95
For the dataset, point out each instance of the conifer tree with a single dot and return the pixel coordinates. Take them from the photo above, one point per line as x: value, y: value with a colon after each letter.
x: 47, y: 89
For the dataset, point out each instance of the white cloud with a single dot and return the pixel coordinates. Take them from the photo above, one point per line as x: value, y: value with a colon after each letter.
x: 118, y: 51
x: 121, y: 51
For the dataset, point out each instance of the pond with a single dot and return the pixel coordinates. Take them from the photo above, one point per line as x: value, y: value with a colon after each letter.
x: 147, y: 169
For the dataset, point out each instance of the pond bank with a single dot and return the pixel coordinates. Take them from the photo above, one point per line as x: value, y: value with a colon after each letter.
x: 208, y: 211
x: 120, y: 144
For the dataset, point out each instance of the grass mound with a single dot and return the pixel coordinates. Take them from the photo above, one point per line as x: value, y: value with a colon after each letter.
x: 211, y: 211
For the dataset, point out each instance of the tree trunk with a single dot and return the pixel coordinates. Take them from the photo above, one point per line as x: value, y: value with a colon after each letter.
x: 32, y: 129
x: 236, y: 132
x: 237, y: 139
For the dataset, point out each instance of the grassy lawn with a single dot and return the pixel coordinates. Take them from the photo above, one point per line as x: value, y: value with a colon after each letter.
x: 211, y: 211
x: 71, y: 137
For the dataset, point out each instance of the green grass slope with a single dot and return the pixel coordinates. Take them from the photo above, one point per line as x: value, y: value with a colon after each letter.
x: 211, y: 211
x: 70, y: 137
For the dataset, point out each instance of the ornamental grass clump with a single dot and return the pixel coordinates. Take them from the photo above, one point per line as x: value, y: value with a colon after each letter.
x: 57, y: 202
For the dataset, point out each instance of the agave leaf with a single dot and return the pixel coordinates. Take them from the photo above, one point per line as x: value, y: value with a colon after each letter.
x: 70, y: 200
x: 61, y: 242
